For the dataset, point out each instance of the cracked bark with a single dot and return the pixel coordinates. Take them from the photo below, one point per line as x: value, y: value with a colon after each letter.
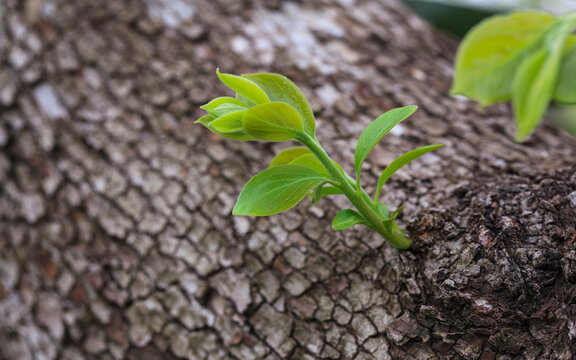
x: 116, y: 239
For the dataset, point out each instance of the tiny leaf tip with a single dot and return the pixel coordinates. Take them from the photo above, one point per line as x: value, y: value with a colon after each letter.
x: 219, y: 74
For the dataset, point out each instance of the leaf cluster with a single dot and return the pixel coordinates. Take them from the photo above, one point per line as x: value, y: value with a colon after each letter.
x: 269, y: 107
x: 526, y: 57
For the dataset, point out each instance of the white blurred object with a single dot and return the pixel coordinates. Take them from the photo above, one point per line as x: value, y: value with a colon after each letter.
x: 171, y: 12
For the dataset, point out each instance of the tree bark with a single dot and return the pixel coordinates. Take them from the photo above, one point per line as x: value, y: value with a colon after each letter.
x: 116, y: 234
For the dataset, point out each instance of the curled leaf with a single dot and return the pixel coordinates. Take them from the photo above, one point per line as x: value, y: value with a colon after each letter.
x: 273, y: 122
x: 244, y: 87
x: 229, y: 122
x: 225, y: 109
x: 223, y: 100
x: 226, y: 125
x: 281, y: 89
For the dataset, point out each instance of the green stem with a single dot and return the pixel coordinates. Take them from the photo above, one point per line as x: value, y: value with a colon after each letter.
x: 388, y: 230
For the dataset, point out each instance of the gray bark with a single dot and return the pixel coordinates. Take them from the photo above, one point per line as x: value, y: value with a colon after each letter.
x: 116, y: 234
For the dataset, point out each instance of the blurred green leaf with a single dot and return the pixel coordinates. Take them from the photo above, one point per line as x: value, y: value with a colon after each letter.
x: 533, y: 84
x: 565, y: 91
x: 564, y: 116
x: 490, y: 53
x: 536, y: 78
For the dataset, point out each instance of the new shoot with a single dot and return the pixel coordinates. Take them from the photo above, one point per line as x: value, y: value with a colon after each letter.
x: 269, y: 107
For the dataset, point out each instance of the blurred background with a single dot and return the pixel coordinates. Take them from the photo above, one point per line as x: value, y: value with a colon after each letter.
x: 458, y: 16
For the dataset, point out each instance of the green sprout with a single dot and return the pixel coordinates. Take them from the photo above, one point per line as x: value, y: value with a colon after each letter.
x: 270, y: 107
x: 527, y: 57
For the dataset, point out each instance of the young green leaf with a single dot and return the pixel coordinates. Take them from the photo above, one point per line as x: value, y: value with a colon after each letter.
x: 231, y: 121
x: 224, y: 126
x: 232, y: 134
x: 383, y: 210
x: 273, y: 122
x: 287, y: 155
x: 491, y: 52
x: 330, y: 190
x: 397, y: 212
x: 399, y: 162
x: 280, y: 89
x: 311, y: 161
x: 221, y: 101
x: 347, y: 218
x: 205, y: 120
x: 239, y: 135
x: 375, y: 131
x: 565, y: 91
x: 208, y: 120
x: 324, y: 190
x: 244, y: 87
x: 226, y: 108
x: 276, y: 189
x: 245, y: 100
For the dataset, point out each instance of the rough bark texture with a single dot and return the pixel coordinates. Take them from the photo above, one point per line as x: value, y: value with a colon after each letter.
x: 116, y: 238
